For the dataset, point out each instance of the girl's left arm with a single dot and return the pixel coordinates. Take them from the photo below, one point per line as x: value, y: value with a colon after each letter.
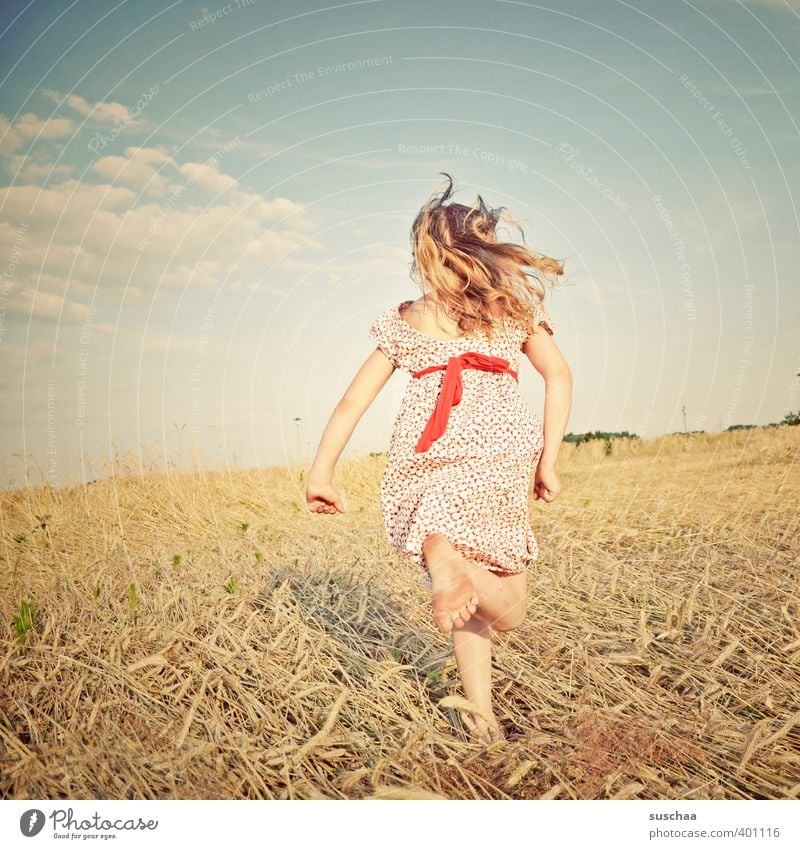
x: 368, y: 382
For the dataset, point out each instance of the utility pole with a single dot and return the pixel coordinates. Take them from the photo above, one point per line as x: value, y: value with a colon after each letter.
x: 684, y: 417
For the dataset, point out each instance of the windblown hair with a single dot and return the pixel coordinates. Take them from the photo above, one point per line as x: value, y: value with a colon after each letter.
x: 476, y: 279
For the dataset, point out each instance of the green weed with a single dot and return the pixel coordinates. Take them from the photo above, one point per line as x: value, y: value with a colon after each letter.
x: 25, y: 620
x: 133, y: 598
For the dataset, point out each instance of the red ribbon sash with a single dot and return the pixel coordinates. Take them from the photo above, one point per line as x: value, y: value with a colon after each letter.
x: 451, y: 390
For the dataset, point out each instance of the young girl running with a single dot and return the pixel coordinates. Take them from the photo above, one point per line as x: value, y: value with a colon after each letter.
x: 454, y: 491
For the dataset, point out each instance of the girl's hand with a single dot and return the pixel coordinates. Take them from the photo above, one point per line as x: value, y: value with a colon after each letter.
x: 323, y: 498
x: 546, y: 486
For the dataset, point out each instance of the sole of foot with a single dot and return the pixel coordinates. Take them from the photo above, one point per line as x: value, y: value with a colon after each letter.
x: 455, y: 598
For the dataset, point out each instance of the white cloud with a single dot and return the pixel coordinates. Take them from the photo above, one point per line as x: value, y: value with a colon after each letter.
x: 27, y: 170
x: 138, y: 168
x: 42, y: 206
x: 105, y: 112
x: 100, y: 242
x: 29, y: 127
x: 207, y: 176
x: 50, y: 305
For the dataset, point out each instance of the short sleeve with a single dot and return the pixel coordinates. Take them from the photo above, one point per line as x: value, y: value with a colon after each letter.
x: 382, y: 332
x: 543, y: 318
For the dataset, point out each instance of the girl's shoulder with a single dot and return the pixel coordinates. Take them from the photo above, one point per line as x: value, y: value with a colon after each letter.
x: 389, y: 322
x: 424, y: 318
x: 504, y: 325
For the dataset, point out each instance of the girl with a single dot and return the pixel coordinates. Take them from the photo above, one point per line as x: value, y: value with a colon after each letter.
x: 454, y: 492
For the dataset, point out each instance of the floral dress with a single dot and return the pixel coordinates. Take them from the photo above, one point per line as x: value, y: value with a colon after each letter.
x: 469, y: 482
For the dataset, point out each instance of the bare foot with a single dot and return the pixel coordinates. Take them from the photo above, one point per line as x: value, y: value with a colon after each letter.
x: 455, y: 598
x: 482, y: 731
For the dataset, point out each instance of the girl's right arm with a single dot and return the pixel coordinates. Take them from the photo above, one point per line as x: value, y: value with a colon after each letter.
x: 321, y: 496
x: 547, y: 359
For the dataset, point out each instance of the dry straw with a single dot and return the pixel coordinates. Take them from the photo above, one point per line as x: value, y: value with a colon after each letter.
x: 200, y: 635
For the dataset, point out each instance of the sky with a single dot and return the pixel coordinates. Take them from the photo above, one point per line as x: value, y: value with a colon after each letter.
x: 204, y: 207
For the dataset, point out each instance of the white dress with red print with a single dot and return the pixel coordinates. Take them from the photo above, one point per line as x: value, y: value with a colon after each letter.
x: 469, y: 483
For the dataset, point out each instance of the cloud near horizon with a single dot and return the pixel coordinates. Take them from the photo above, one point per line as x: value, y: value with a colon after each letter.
x: 137, y: 221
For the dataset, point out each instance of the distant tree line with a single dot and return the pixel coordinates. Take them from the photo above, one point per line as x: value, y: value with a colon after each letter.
x: 605, y: 435
x: 788, y: 419
x: 608, y: 436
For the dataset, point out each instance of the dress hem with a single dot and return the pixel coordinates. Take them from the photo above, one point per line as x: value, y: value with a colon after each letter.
x: 472, y: 554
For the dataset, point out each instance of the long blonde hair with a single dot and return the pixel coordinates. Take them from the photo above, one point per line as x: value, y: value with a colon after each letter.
x: 475, y: 278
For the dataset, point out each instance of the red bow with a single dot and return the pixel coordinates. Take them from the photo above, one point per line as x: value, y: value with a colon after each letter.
x: 452, y: 386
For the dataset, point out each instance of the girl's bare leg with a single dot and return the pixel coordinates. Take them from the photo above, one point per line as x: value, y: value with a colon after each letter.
x: 500, y: 606
x: 502, y: 600
x: 473, y: 650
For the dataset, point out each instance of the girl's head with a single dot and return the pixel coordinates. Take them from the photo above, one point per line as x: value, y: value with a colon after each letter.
x: 474, y: 277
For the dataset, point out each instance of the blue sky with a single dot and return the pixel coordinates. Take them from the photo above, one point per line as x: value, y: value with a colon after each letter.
x: 205, y: 206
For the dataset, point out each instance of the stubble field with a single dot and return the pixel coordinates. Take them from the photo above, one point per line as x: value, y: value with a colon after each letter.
x: 201, y: 635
